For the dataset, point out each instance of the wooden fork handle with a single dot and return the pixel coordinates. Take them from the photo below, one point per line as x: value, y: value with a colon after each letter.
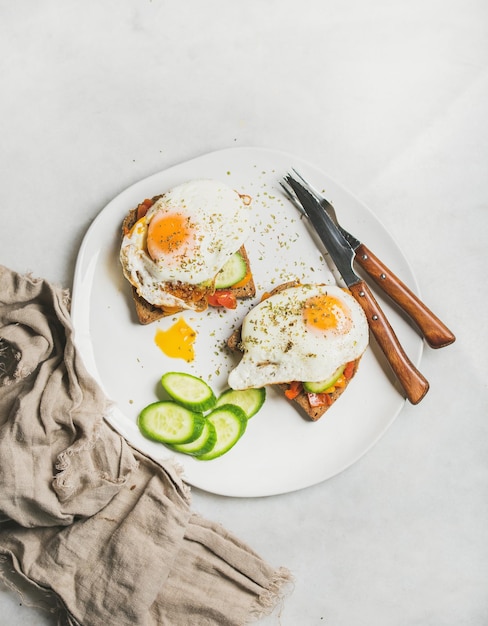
x: 413, y: 382
x: 435, y: 332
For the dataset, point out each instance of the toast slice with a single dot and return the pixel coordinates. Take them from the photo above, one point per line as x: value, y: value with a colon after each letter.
x: 148, y: 313
x: 302, y: 399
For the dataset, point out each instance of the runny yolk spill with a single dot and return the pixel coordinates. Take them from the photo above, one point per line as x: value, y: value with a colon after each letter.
x: 325, y: 313
x: 177, y: 342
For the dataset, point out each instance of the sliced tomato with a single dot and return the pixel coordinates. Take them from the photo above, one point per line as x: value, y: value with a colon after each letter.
x: 293, y: 390
x: 144, y: 207
x: 349, y: 370
x: 223, y: 297
x: 319, y: 399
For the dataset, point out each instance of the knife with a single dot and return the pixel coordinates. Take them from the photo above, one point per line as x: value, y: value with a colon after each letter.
x: 412, y: 381
x: 434, y: 331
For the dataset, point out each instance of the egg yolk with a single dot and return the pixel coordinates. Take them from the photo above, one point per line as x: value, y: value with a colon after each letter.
x: 168, y: 234
x: 177, y: 342
x: 327, y: 313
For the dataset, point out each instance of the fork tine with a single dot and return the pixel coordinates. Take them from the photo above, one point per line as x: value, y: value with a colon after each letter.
x: 310, y: 188
x: 328, y: 206
x: 291, y: 195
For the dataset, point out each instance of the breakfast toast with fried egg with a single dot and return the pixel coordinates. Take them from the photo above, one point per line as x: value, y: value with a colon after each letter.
x: 309, y: 403
x: 148, y: 313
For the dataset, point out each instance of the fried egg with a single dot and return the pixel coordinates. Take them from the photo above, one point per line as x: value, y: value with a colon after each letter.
x: 302, y: 333
x: 185, y: 237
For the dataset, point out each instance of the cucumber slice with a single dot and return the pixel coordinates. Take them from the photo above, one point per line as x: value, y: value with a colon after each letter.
x: 321, y: 386
x: 191, y: 392
x: 168, y: 422
x: 249, y: 400
x: 202, y: 445
x: 230, y: 422
x: 233, y: 271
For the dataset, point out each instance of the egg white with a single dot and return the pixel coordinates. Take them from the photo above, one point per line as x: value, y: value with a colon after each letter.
x: 279, y: 347
x: 219, y: 220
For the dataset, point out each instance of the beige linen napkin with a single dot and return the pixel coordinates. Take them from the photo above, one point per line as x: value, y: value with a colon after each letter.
x: 86, y: 517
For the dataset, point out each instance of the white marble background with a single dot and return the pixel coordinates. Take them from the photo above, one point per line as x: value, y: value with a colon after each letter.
x: 390, y: 98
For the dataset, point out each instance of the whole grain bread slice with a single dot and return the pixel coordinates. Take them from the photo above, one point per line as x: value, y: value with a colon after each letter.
x: 301, y: 400
x: 148, y: 313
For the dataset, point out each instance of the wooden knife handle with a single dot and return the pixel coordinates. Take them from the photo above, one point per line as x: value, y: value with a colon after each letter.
x: 435, y: 332
x: 412, y: 381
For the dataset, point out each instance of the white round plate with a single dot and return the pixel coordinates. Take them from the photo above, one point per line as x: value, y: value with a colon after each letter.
x: 281, y: 451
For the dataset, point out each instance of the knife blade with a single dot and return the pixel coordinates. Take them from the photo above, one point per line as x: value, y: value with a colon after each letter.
x: 410, y: 378
x: 434, y: 331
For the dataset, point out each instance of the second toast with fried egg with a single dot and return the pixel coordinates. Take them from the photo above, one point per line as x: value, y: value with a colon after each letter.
x: 305, y: 339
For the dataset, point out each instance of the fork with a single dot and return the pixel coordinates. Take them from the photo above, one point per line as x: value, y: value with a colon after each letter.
x: 434, y: 331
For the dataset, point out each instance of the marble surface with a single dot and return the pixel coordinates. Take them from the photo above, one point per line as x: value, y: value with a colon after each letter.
x: 387, y: 97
